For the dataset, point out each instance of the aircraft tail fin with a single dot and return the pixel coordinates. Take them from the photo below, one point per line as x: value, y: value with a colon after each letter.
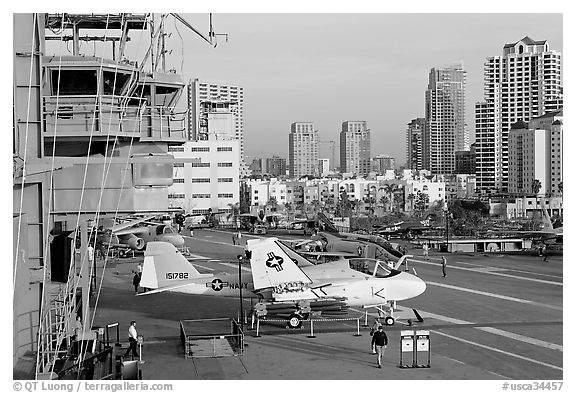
x: 165, y: 266
x: 272, y: 266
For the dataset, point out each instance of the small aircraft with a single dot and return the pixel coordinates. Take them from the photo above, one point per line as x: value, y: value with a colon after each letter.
x: 135, y: 234
x: 287, y: 284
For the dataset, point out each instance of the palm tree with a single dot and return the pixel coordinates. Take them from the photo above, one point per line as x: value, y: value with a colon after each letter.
x: 536, y: 186
x: 390, y: 189
x: 411, y: 198
x: 383, y: 201
x: 234, y: 212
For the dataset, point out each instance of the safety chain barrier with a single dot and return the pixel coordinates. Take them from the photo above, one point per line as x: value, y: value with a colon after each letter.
x: 311, y: 324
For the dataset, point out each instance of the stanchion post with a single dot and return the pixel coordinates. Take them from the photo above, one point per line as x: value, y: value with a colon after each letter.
x: 357, y: 327
x: 365, y: 319
x: 257, y: 327
x: 140, y: 339
x: 311, y: 329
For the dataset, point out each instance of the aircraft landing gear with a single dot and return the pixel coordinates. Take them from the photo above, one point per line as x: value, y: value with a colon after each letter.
x: 389, y: 321
x: 295, y: 321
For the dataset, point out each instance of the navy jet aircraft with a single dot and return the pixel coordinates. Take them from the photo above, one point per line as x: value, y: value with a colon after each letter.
x: 135, y: 234
x: 286, y: 283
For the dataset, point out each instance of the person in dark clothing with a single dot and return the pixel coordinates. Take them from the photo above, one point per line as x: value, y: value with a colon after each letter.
x: 136, y: 282
x: 443, y: 266
x: 380, y: 341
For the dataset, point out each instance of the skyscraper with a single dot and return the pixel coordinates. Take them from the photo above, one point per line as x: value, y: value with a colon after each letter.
x: 445, y: 130
x: 303, y: 142
x: 524, y: 83
x: 355, y: 148
x: 414, y: 159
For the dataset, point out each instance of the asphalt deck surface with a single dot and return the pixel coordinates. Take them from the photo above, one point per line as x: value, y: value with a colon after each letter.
x: 494, y: 317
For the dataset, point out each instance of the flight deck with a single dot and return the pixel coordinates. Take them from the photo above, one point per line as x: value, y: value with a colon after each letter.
x: 493, y: 317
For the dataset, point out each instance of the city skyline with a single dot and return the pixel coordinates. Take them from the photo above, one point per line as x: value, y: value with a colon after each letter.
x: 338, y: 67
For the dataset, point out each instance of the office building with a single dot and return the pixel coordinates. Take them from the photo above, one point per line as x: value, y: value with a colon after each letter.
x: 303, y: 142
x: 523, y: 83
x: 445, y: 130
x: 355, y: 148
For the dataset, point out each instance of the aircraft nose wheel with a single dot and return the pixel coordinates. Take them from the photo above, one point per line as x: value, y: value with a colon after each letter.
x: 295, y: 321
x: 389, y: 321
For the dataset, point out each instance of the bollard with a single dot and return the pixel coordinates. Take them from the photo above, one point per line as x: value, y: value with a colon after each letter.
x: 140, y: 342
x: 311, y: 329
x: 257, y: 327
x: 357, y: 328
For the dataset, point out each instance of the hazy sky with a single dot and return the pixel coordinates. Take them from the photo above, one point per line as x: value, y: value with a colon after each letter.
x: 329, y: 68
x: 332, y: 67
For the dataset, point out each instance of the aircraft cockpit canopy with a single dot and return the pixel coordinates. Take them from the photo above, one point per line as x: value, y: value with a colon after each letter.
x: 369, y: 265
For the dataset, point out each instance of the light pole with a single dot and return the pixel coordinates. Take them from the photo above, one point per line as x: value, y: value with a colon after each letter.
x: 447, y: 216
x: 240, y: 258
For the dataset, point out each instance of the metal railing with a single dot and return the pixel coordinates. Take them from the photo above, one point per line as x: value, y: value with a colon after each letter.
x: 55, y: 325
x: 103, y: 115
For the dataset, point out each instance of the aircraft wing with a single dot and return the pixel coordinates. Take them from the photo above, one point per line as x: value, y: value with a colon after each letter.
x: 129, y: 224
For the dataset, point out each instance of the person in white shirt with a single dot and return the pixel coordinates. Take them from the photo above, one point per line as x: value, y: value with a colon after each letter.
x: 133, y: 338
x: 90, y: 253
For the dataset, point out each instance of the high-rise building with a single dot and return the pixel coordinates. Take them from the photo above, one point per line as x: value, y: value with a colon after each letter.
x: 466, y: 161
x: 323, y: 166
x: 276, y: 166
x: 382, y: 163
x: 445, y: 129
x: 524, y: 83
x: 208, y: 102
x: 355, y: 148
x: 303, y: 142
x: 414, y: 159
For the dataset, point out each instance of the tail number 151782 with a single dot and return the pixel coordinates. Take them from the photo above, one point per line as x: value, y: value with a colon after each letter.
x: 176, y: 276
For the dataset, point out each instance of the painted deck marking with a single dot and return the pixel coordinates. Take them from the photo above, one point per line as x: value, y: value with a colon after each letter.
x: 499, y: 351
x: 512, y: 299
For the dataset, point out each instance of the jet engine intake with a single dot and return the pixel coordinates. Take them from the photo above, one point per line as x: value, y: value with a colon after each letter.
x: 134, y: 242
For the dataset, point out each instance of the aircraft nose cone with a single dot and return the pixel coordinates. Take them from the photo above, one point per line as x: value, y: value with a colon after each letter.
x: 406, y: 286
